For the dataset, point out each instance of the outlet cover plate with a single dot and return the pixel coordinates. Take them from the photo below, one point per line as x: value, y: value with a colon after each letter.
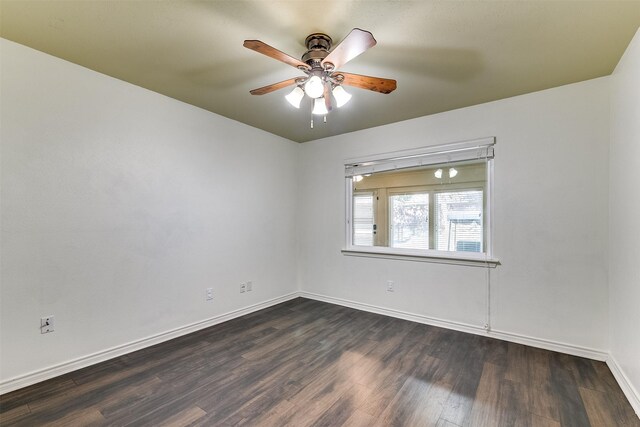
x: 46, y: 324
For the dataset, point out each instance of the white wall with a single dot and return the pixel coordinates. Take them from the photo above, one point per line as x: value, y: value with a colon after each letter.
x: 120, y: 206
x: 550, y: 216
x: 624, y: 224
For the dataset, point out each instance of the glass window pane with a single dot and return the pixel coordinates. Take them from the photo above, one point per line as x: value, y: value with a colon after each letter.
x: 363, y: 219
x: 409, y: 225
x: 459, y: 221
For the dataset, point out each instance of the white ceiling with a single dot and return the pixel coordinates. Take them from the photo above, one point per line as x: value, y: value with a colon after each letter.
x: 444, y: 54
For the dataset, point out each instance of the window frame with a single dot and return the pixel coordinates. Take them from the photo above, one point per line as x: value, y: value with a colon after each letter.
x: 482, y: 259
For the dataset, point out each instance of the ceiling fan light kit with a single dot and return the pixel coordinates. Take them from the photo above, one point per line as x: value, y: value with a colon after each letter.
x: 319, y: 107
x: 295, y: 97
x: 314, y: 87
x: 341, y: 96
x: 319, y: 64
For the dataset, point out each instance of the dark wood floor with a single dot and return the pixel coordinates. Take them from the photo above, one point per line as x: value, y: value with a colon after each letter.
x: 305, y: 363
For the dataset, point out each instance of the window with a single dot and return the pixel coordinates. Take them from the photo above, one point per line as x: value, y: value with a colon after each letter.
x: 409, y: 216
x: 459, y: 221
x: 432, y: 202
x: 363, y: 219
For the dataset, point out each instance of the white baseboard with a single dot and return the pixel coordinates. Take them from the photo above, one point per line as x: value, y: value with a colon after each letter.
x: 627, y: 388
x: 465, y: 327
x: 103, y: 355
x: 560, y: 347
x: 458, y: 326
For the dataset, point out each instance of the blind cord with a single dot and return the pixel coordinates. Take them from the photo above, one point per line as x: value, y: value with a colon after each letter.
x: 487, y: 325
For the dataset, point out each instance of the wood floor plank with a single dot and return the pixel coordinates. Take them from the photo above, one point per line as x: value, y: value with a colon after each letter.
x: 512, y: 404
x: 338, y: 413
x: 538, y: 421
x: 392, y: 379
x: 81, y: 417
x: 445, y: 423
x: 517, y: 363
x: 129, y: 395
x: 183, y: 418
x: 191, y: 384
x: 541, y: 400
x: 91, y: 391
x: 458, y: 406
x: 312, y: 411
x: 360, y: 419
x: 494, y: 351
x: 14, y: 414
x: 259, y: 389
x: 42, y: 391
x: 278, y: 342
x: 305, y: 363
x: 459, y: 354
x: 570, y: 404
x: 600, y: 410
x: 275, y: 416
x: 486, y: 408
x: 586, y: 375
x: 333, y: 392
x: 615, y: 396
x: 405, y: 403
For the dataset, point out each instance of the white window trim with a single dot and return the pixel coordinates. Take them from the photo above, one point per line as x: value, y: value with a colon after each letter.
x: 484, y: 259
x: 412, y: 255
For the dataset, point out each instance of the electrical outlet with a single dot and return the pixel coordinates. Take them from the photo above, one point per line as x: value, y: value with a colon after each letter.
x: 249, y: 286
x: 390, y: 286
x: 46, y: 325
x: 243, y: 288
x: 209, y: 294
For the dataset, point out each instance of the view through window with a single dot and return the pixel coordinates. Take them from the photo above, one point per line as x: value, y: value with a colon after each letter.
x: 438, y: 207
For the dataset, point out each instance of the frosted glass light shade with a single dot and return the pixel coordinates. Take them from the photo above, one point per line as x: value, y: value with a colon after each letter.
x: 314, y: 87
x: 438, y: 173
x: 295, y: 97
x: 452, y: 172
x: 319, y: 108
x: 341, y: 96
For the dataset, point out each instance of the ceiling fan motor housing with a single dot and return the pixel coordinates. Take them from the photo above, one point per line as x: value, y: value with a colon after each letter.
x: 318, y: 45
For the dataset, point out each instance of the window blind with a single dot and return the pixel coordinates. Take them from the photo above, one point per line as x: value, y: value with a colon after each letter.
x: 363, y: 219
x: 437, y: 154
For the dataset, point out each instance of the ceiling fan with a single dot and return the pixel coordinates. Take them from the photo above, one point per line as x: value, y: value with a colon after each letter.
x: 320, y: 64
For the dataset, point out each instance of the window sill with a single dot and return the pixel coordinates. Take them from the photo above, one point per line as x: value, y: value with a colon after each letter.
x: 455, y: 258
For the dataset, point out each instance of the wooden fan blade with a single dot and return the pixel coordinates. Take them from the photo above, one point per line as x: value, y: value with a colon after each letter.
x: 274, y: 53
x: 376, y: 84
x: 327, y: 96
x: 274, y: 87
x: 356, y: 42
